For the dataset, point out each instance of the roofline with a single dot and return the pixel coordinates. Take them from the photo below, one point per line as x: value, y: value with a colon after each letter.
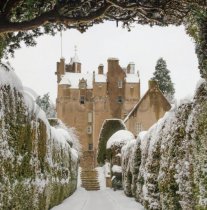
x: 137, y: 105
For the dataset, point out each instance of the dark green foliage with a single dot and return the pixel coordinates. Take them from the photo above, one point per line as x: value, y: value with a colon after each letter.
x: 162, y: 76
x: 109, y: 127
x: 196, y: 25
x: 199, y: 147
x: 9, y: 42
x: 136, y: 165
x: 33, y: 163
x: 172, y: 173
x: 30, y: 19
x: 26, y: 17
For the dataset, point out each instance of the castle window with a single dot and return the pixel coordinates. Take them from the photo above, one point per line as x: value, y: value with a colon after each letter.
x: 120, y: 84
x: 90, y: 117
x: 82, y: 99
x: 138, y: 127
x: 131, y: 90
x: 90, y: 146
x: 125, y: 114
x: 120, y: 99
x: 89, y: 129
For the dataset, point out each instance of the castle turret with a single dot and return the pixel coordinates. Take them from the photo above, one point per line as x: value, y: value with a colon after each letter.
x: 131, y: 68
x: 75, y: 64
x: 100, y: 69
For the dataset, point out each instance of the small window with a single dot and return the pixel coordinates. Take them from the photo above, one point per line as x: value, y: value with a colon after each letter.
x: 90, y: 146
x: 125, y: 114
x: 120, y: 84
x: 82, y: 99
x: 131, y: 90
x: 89, y: 129
x: 120, y: 99
x: 90, y: 117
x: 138, y: 127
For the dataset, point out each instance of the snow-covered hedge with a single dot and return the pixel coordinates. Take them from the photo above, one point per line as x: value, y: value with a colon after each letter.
x: 38, y: 167
x: 114, y: 147
x: 166, y: 167
x: 109, y: 127
x: 119, y: 139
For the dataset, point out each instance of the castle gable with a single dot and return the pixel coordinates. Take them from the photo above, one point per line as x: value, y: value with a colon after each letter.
x: 148, y: 110
x: 155, y: 91
x: 82, y: 84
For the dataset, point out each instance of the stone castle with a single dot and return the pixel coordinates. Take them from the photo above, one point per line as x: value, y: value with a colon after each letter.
x: 85, y: 100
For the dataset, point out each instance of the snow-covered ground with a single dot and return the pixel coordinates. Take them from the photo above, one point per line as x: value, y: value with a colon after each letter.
x: 99, y: 200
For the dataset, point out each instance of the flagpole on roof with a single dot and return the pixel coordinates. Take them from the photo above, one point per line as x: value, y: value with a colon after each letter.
x: 61, y: 44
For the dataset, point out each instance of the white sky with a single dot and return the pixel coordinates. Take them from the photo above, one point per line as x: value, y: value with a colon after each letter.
x: 143, y: 45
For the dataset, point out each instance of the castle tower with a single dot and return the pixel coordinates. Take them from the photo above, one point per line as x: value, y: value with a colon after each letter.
x: 116, y: 87
x: 85, y: 100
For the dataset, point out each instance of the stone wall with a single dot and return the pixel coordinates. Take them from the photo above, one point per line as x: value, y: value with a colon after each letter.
x: 38, y: 167
x: 88, y: 160
x: 152, y: 106
x: 166, y: 168
x: 115, y: 74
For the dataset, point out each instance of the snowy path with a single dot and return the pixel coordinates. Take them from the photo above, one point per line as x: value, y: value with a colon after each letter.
x: 98, y: 200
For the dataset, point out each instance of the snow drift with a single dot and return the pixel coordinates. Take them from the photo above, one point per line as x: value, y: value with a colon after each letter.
x: 38, y: 167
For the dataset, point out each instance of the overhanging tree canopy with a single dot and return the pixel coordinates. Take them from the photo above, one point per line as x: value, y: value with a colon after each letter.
x: 21, y: 19
x: 21, y: 15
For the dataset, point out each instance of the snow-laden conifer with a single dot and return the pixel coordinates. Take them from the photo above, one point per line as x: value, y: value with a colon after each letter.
x: 162, y: 76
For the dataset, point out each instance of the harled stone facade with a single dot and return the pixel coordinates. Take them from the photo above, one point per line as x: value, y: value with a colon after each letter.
x: 151, y: 107
x: 85, y: 100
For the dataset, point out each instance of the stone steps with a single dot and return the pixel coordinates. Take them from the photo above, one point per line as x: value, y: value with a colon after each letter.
x: 89, y: 176
x: 89, y: 180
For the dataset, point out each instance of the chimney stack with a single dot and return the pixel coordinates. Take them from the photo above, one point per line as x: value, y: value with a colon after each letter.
x: 100, y: 69
x: 152, y: 84
x: 60, y: 69
x: 131, y: 68
x: 112, y: 64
